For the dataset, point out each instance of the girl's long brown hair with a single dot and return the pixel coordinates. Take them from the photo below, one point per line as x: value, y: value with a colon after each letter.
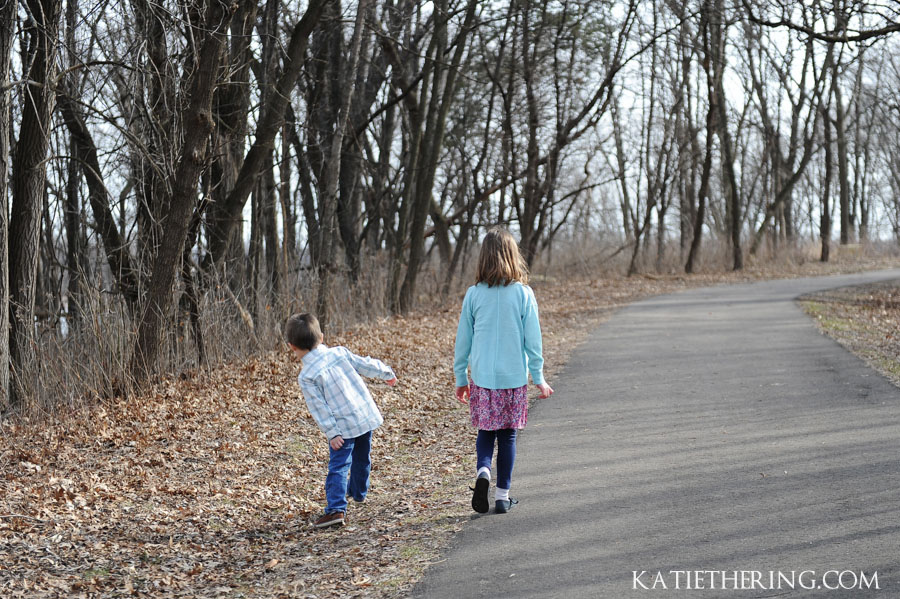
x: 500, y: 262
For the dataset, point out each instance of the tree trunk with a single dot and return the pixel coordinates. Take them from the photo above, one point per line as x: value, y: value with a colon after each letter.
x: 29, y: 183
x: 72, y: 201
x: 156, y: 126
x: 85, y: 152
x: 329, y: 186
x: 255, y: 250
x: 825, y: 226
x: 307, y: 197
x: 73, y: 240
x: 661, y: 209
x: 288, y: 213
x: 694, y: 252
x: 191, y: 297
x: 7, y: 35
x: 270, y: 230
x: 351, y: 187
x: 687, y: 161
x: 268, y: 29
x: 198, y: 127
x: 231, y: 109
x: 621, y: 173
x: 717, y: 47
x: 843, y: 165
x: 531, y: 194
x: 444, y: 83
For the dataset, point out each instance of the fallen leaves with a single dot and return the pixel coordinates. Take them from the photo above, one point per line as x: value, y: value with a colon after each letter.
x: 204, y: 487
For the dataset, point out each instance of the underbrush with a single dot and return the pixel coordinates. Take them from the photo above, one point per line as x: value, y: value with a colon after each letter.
x: 78, y: 365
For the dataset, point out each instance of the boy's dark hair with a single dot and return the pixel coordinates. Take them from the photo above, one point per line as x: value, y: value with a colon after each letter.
x: 302, y: 330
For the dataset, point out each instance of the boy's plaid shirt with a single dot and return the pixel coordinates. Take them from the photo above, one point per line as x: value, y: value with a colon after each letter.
x: 336, y: 395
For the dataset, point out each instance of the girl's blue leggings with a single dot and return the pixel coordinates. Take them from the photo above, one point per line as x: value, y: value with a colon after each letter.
x: 506, y: 453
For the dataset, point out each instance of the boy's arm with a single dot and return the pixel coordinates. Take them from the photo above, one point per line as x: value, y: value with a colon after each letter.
x: 315, y: 401
x: 370, y: 367
x: 533, y: 342
x: 464, y: 334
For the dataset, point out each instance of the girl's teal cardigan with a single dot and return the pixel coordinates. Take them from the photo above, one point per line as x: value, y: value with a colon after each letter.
x: 499, y: 336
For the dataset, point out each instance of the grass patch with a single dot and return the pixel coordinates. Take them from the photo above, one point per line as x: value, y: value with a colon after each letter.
x: 865, y: 319
x: 411, y: 552
x: 95, y: 573
x: 827, y: 319
x: 890, y: 366
x: 298, y: 447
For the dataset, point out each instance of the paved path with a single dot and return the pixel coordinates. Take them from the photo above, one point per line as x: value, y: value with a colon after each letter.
x: 714, y: 429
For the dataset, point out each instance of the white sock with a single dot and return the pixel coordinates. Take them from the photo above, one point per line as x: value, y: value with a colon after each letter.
x: 501, y: 494
x: 485, y: 470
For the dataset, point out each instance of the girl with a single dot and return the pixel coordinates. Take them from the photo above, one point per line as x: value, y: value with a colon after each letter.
x: 499, y: 336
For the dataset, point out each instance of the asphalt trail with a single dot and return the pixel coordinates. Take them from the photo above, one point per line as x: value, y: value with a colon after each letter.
x: 712, y: 429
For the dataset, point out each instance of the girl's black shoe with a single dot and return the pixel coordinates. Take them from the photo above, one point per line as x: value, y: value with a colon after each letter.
x: 480, y: 495
x: 501, y: 506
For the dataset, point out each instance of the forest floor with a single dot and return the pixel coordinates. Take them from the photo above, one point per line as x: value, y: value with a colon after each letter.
x: 205, y: 486
x: 863, y: 318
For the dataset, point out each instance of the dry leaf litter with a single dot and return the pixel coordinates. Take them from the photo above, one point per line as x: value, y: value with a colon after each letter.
x: 205, y: 486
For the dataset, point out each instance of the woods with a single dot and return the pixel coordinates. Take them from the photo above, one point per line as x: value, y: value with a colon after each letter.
x: 180, y: 175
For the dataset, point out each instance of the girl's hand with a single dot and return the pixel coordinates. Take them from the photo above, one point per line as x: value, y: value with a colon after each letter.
x: 546, y: 390
x: 337, y: 442
x: 391, y: 382
x: 462, y: 394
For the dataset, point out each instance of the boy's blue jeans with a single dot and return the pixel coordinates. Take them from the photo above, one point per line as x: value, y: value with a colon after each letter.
x: 353, y: 456
x: 506, y: 453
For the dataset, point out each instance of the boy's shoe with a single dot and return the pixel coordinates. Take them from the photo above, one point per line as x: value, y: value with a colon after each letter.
x: 480, y: 494
x: 332, y: 519
x: 501, y: 506
x: 355, y: 499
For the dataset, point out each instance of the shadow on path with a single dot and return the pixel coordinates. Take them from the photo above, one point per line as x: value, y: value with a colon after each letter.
x: 713, y: 429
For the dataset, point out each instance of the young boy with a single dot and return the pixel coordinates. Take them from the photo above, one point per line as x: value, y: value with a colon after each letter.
x: 341, y: 404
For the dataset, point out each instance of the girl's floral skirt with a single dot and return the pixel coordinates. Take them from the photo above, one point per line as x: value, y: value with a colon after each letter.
x: 495, y: 409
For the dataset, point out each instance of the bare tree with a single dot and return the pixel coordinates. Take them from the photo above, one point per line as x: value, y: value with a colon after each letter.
x: 825, y: 222
x: 328, y: 199
x: 776, y: 13
x: 377, y: 149
x: 787, y: 168
x: 714, y: 12
x: 28, y: 179
x: 271, y: 118
x: 429, y: 137
x: 198, y: 121
x: 84, y: 151
x: 7, y: 34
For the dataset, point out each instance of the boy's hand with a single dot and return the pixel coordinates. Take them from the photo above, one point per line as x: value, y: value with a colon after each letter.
x: 462, y: 394
x: 391, y: 382
x: 546, y: 390
x: 337, y: 442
